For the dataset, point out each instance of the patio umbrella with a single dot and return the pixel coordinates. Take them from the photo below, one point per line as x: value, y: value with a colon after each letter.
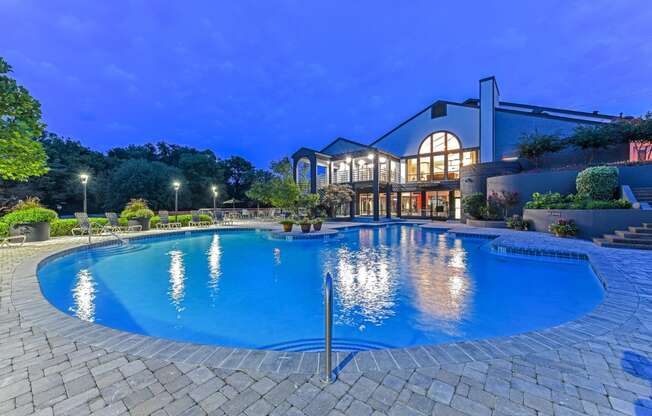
x: 232, y: 201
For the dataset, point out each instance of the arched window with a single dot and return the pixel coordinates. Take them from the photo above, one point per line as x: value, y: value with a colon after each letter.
x: 303, y: 174
x: 440, y: 157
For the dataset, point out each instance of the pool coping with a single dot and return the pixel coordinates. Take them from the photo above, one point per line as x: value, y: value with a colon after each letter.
x: 619, y: 305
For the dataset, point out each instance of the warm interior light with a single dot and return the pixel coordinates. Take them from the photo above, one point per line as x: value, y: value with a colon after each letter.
x: 348, y: 159
x: 370, y: 155
x: 382, y: 159
x: 361, y: 162
x: 342, y: 165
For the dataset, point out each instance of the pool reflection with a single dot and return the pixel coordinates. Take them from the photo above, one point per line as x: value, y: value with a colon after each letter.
x: 177, y: 273
x: 84, y: 296
x: 368, y: 279
x: 214, y: 267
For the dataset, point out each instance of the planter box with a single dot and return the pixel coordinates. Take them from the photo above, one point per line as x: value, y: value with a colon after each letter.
x: 143, y: 222
x: 591, y: 223
x: 486, y: 223
x: 38, y: 231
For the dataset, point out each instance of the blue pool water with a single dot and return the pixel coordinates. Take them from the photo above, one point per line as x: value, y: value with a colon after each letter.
x: 395, y: 286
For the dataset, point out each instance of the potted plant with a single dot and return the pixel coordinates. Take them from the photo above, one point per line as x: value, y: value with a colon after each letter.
x: 563, y: 228
x: 305, y: 225
x: 287, y: 225
x: 316, y: 224
x: 31, y: 219
x: 138, y: 211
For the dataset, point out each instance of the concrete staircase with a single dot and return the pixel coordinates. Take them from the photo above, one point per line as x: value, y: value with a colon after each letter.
x: 639, y: 238
x: 643, y: 194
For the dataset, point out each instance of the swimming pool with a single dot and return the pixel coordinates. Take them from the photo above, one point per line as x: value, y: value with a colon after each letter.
x: 394, y: 286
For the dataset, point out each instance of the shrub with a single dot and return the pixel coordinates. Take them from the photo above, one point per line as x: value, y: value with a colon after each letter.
x: 137, y: 208
x: 4, y: 229
x: 554, y: 200
x: 473, y: 205
x: 534, y: 146
x: 63, y: 227
x: 28, y: 203
x: 598, y: 183
x: 286, y: 222
x: 563, y: 228
x: 614, y: 204
x: 516, y: 222
x: 29, y: 216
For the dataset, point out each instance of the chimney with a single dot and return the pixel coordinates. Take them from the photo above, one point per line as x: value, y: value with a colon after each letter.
x: 489, y: 98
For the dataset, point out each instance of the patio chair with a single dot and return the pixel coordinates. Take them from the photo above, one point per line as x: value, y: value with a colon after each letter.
x: 13, y: 241
x: 223, y: 218
x: 196, y: 221
x: 85, y: 226
x: 165, y: 221
x: 114, y: 224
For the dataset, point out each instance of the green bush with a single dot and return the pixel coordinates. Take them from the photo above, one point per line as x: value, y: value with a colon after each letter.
x: 563, y: 228
x: 554, y: 200
x: 516, y: 222
x: 598, y: 183
x: 29, y: 216
x: 474, y: 204
x: 63, y: 226
x: 4, y: 229
x: 137, y: 208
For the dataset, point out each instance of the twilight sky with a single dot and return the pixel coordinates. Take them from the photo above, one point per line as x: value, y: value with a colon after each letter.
x: 262, y: 78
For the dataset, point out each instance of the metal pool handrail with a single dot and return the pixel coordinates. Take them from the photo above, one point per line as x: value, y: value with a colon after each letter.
x: 328, y: 330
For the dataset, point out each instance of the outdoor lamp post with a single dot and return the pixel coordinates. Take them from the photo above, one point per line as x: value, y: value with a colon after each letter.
x: 214, y: 189
x: 176, y: 186
x: 84, y: 181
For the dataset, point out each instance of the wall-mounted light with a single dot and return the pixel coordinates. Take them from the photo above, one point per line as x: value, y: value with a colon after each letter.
x: 348, y: 159
x: 370, y: 155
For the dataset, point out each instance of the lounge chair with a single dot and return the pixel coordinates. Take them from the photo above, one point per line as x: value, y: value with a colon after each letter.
x: 165, y: 221
x: 114, y: 224
x: 85, y: 225
x: 196, y: 221
x: 221, y: 218
x: 13, y: 241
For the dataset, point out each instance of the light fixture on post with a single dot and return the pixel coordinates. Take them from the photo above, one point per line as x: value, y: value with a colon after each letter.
x: 176, y: 185
x: 84, y: 181
x: 214, y: 189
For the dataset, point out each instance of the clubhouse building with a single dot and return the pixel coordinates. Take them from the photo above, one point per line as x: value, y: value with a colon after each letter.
x: 422, y: 167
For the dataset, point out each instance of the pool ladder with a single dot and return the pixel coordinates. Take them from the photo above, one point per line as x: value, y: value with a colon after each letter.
x: 328, y: 329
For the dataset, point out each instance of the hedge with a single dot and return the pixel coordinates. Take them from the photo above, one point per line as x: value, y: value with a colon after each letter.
x: 63, y: 227
x: 555, y: 200
x: 598, y: 183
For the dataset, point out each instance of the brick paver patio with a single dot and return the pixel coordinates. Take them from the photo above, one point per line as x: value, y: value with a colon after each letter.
x: 601, y: 364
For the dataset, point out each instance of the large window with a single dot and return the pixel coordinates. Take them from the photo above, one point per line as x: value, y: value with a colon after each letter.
x: 440, y: 157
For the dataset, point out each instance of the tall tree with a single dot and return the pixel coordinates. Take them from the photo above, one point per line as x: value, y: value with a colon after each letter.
x: 238, y: 175
x: 152, y: 181
x: 21, y: 156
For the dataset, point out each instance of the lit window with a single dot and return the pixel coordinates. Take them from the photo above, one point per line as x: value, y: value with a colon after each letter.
x: 469, y: 158
x: 425, y: 147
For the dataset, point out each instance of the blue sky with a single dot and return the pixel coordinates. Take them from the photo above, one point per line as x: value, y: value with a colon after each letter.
x: 261, y: 78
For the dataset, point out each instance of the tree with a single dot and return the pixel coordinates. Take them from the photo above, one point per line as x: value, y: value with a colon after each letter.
x: 202, y: 171
x: 148, y: 180
x: 336, y: 195
x: 636, y: 131
x: 591, y: 139
x: 21, y: 157
x: 238, y: 176
x: 533, y: 146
